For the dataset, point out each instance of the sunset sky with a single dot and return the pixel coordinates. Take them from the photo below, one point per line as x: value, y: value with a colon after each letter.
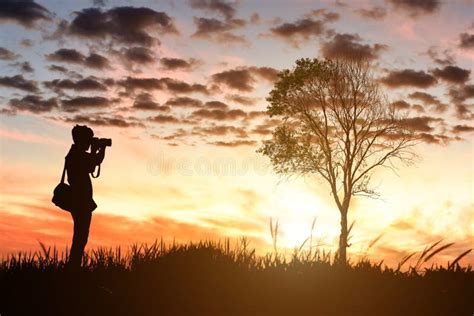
x: 180, y: 87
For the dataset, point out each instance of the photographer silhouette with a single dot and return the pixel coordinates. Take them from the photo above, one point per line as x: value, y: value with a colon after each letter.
x: 79, y: 164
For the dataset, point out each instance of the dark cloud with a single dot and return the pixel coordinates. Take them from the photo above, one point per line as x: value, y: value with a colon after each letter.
x: 86, y: 84
x: 416, y: 7
x: 220, y: 130
x: 178, y: 86
x: 219, y: 115
x: 126, y: 25
x: 234, y: 143
x: 24, y: 66
x: 429, y: 99
x: 219, y: 31
x: 57, y: 68
x: 185, y: 102
x: 97, y: 120
x: 66, y: 55
x: 19, y: 82
x: 76, y: 103
x: 243, y: 78
x: 462, y: 129
x: 435, y: 138
x: 408, y: 78
x: 216, y: 105
x: 461, y: 93
x: 400, y: 105
x: 420, y: 123
x: 6, y: 54
x: 170, y: 84
x: 164, y: 119
x: 138, y: 55
x: 131, y: 83
x: 348, y: 46
x: 73, y: 56
x: 96, y: 61
x: 452, y: 74
x: 466, y: 41
x: 178, y: 63
x: 267, y: 73
x: 239, y: 79
x: 25, y: 13
x: 227, y: 9
x: 445, y: 60
x: 244, y: 100
x: 299, y: 31
x: 34, y: 104
x: 375, y: 13
x: 145, y: 101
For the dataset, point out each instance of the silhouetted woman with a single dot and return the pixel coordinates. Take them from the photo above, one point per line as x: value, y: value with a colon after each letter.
x: 79, y: 163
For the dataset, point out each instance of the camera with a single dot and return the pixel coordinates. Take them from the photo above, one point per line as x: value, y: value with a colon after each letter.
x: 101, y: 142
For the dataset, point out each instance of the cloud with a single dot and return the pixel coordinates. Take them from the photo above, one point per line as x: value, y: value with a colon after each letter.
x: 34, y: 104
x: 216, y: 105
x: 347, y: 46
x: 220, y: 130
x: 462, y: 129
x: 178, y: 63
x: 375, y: 13
x: 238, y: 79
x: 244, y: 100
x: 299, y: 31
x: 97, y: 120
x: 461, y: 93
x: 170, y: 84
x: 138, y: 55
x: 408, y: 78
x: 218, y: 114
x: 96, y: 61
x: 73, y: 56
x: 124, y: 25
x: 466, y: 41
x: 185, y: 102
x: 243, y: 78
x: 234, y: 143
x: 24, y: 66
x: 420, y: 123
x: 178, y: 86
x: 76, y: 103
x: 164, y: 119
x: 416, y: 7
x: 86, y: 84
x: 19, y: 82
x: 446, y: 59
x: 401, y: 105
x: 452, y: 74
x: 26, y: 13
x: 6, y: 54
x: 219, y: 31
x: 428, y: 99
x: 227, y: 9
x: 145, y: 101
x: 327, y: 16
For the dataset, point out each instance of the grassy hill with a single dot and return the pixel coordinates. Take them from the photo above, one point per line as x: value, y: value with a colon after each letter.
x: 210, y: 278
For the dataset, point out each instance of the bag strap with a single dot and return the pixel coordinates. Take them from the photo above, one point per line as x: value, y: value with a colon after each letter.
x: 98, y: 173
x: 64, y: 171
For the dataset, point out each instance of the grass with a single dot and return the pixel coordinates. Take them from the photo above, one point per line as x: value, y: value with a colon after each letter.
x: 215, y: 278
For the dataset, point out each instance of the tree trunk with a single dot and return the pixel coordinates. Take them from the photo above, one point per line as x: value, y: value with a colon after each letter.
x: 343, y: 238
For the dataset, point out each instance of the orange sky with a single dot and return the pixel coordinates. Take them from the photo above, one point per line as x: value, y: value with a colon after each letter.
x: 190, y: 172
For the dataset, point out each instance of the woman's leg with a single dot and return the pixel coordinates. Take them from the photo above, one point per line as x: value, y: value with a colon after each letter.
x: 82, y: 221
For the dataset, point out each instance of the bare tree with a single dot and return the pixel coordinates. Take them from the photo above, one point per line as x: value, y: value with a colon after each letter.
x: 336, y: 123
